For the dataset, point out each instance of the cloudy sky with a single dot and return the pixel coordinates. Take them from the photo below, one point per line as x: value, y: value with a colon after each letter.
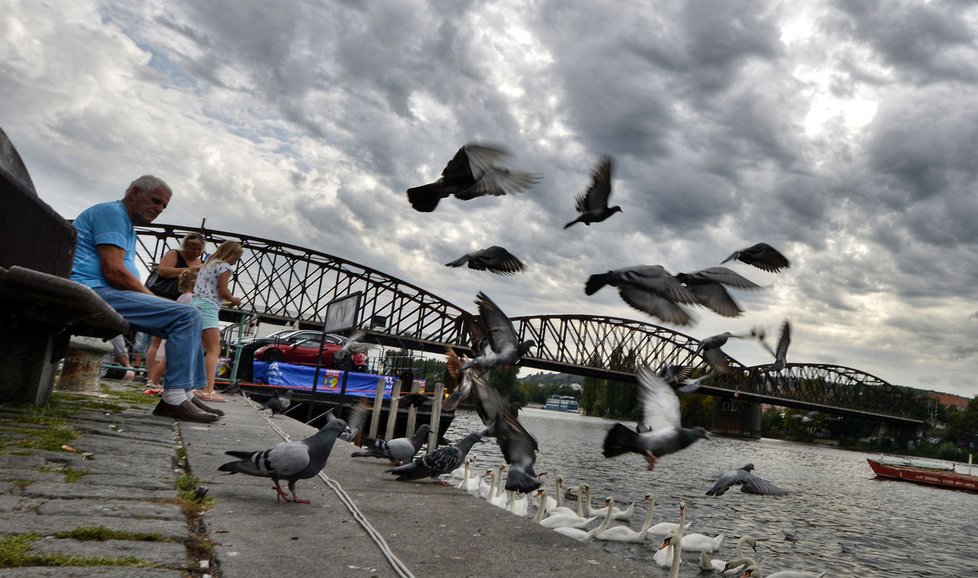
x: 843, y: 133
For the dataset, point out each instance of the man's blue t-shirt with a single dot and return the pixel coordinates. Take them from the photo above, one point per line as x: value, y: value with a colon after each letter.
x: 102, y: 224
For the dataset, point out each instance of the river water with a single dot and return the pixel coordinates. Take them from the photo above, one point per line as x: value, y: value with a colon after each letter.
x: 838, y: 516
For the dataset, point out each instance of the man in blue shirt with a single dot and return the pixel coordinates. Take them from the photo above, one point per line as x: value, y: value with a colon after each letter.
x: 105, y: 260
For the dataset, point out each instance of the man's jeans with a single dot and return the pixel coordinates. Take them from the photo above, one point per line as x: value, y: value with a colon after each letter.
x: 179, y: 324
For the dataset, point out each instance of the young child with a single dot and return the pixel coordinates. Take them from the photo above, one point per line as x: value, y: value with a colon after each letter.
x: 185, y: 284
x: 209, y: 292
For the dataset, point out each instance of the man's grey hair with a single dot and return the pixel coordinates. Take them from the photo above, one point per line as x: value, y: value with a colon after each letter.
x: 148, y: 184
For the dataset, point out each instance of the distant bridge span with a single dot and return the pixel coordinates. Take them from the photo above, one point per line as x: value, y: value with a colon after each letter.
x: 283, y: 284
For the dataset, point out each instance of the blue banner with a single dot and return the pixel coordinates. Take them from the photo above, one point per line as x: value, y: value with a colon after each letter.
x: 301, y: 377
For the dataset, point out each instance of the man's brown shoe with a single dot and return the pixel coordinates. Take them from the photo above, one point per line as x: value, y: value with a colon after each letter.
x: 203, y: 406
x: 186, y: 411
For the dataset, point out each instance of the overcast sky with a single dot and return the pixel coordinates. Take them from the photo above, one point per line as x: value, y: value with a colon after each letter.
x: 843, y: 133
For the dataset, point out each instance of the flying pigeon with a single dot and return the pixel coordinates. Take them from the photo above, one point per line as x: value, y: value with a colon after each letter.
x: 441, y: 461
x: 279, y: 403
x: 762, y: 256
x: 353, y: 345
x: 354, y: 425
x: 463, y: 383
x: 659, y: 429
x: 398, y: 450
x: 289, y: 461
x: 518, y: 446
x: 473, y: 172
x: 708, y: 287
x: 494, y: 259
x: 748, y: 482
x: 650, y: 289
x: 502, y: 346
x: 592, y: 204
x: 679, y: 377
x: 780, y: 354
x: 709, y: 347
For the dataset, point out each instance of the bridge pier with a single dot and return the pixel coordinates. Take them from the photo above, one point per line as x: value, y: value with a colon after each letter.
x: 737, y: 418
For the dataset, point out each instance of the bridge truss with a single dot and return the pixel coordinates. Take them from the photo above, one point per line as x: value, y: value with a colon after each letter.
x: 290, y: 285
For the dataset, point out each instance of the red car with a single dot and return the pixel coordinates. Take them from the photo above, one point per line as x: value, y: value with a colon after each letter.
x: 305, y: 352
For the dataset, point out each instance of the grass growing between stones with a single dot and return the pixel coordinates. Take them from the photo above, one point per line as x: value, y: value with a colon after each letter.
x: 15, y: 551
x: 101, y: 534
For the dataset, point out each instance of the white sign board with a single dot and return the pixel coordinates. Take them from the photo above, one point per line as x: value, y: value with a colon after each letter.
x: 342, y: 313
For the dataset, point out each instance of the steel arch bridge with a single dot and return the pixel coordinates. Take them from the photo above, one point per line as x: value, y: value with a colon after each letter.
x: 287, y: 284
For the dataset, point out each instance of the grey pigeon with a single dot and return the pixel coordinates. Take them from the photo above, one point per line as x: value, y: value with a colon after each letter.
x: 473, y: 172
x: 517, y: 445
x: 592, y: 204
x: 762, y: 256
x: 398, y: 450
x: 354, y: 425
x: 289, y: 461
x: 781, y: 353
x: 708, y: 285
x: 279, y: 403
x: 494, y: 259
x: 463, y: 382
x: 660, y: 431
x: 502, y: 346
x: 441, y: 461
x: 679, y: 377
x: 650, y: 289
x: 709, y: 347
x: 748, y: 482
x: 352, y: 345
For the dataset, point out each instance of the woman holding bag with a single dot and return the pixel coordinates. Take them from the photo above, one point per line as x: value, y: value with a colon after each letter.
x: 174, y: 262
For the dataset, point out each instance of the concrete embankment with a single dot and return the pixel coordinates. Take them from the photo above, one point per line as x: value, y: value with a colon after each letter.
x: 120, y: 480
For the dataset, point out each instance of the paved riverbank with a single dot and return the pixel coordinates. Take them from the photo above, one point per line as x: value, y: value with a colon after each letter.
x: 126, y: 490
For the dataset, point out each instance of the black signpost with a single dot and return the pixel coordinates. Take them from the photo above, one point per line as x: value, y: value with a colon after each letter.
x: 342, y: 314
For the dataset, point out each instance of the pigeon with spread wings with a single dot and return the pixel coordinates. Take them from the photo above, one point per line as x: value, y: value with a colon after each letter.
x: 762, y: 256
x: 502, y: 346
x: 648, y: 288
x: 592, y: 204
x: 473, y: 172
x: 660, y: 431
x: 494, y: 259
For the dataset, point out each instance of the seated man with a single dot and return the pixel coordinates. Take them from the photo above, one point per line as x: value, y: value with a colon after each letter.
x: 105, y: 260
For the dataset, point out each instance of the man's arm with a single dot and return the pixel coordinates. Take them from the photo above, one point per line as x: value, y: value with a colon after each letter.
x: 111, y: 259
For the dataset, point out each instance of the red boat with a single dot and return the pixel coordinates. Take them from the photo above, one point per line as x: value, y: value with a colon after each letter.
x: 945, y: 478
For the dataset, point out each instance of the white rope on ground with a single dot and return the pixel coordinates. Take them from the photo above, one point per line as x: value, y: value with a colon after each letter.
x: 399, y: 567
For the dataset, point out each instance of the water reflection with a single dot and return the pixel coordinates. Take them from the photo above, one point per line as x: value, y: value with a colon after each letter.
x: 838, y: 517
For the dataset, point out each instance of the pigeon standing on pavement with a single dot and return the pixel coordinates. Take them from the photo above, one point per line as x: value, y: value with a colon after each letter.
x: 502, y: 346
x: 279, y: 403
x: 748, y: 482
x: 762, y: 256
x: 290, y: 461
x: 592, y: 204
x: 494, y: 259
x: 473, y: 172
x: 650, y: 289
x: 660, y: 431
x: 441, y: 461
x: 397, y: 450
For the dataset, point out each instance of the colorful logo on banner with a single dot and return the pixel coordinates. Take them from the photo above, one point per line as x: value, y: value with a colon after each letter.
x: 331, y: 380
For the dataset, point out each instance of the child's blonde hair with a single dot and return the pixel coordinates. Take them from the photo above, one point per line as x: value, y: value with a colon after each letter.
x: 227, y: 250
x: 186, y: 281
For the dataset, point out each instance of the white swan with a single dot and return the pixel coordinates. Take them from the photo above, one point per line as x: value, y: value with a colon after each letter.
x: 755, y: 571
x: 624, y: 533
x: 617, y: 513
x: 497, y: 497
x: 470, y: 479
x: 698, y: 542
x: 516, y: 504
x: 729, y: 567
x: 558, y: 520
x: 580, y: 534
x: 669, y: 553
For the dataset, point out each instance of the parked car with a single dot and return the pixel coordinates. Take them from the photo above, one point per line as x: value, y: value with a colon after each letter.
x: 285, y: 336
x: 305, y: 351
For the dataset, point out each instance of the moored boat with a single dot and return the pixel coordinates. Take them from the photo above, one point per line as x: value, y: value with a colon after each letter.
x: 941, y: 476
x: 562, y: 403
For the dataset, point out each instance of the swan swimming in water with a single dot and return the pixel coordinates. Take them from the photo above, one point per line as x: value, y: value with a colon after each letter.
x: 558, y: 520
x: 755, y: 571
x: 617, y: 513
x: 624, y: 533
x: 708, y: 563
